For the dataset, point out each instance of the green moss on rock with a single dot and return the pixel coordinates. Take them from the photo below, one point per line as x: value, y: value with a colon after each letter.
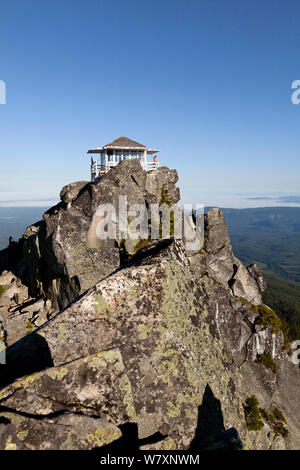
x: 142, y: 243
x: 267, y: 361
x: 267, y: 317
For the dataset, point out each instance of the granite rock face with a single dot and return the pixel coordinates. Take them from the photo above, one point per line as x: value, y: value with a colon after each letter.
x: 20, y: 314
x: 70, y: 192
x: 159, y: 352
x: 218, y: 261
x: 79, y: 405
x: 62, y: 254
x: 152, y: 344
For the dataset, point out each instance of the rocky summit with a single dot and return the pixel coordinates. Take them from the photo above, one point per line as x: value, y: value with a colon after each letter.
x: 149, y: 346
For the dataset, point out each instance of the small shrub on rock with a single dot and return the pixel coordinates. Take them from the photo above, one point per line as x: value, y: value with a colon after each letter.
x: 252, y: 414
x: 267, y: 361
x: 278, y: 414
x: 267, y: 317
x: 276, y: 421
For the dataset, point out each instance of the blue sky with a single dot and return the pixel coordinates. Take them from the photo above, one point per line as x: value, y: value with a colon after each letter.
x: 208, y: 82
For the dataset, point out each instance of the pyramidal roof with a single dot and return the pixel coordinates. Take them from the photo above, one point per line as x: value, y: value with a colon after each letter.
x: 124, y: 142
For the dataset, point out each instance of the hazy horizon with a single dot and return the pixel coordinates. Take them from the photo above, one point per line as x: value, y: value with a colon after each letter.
x: 208, y: 198
x: 227, y: 200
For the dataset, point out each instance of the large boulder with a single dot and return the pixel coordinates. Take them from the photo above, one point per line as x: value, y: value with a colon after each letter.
x: 86, y: 400
x: 63, y: 254
x: 19, y: 313
x: 152, y: 345
x: 243, y: 284
x: 69, y: 193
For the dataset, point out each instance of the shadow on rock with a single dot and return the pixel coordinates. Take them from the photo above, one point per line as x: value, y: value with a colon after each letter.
x: 26, y: 356
x: 210, y: 432
x: 129, y: 442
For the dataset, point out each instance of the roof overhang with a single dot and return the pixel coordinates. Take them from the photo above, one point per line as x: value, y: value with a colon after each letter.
x: 97, y: 150
x: 117, y: 147
x: 102, y: 149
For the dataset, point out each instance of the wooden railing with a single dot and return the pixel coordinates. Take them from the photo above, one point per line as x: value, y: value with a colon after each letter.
x: 98, y: 170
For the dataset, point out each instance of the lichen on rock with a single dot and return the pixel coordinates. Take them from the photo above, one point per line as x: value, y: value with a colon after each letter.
x: 167, y: 342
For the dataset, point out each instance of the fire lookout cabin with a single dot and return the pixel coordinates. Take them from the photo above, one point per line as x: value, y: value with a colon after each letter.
x: 121, y: 149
